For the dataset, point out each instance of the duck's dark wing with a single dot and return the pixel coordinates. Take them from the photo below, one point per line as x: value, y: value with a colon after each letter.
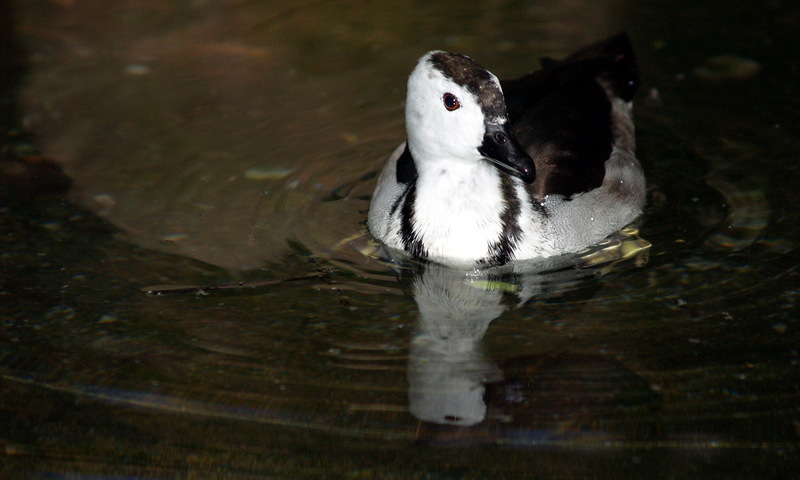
x: 562, y: 114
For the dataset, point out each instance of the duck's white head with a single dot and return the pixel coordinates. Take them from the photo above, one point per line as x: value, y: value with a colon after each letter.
x: 455, y: 112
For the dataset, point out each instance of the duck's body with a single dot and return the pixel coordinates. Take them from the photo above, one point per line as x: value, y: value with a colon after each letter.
x: 485, y: 179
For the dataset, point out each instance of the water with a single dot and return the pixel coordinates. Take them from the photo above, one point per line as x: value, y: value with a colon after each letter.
x: 212, y: 143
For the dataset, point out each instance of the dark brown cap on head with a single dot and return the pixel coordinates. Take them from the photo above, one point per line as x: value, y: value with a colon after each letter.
x: 476, y: 79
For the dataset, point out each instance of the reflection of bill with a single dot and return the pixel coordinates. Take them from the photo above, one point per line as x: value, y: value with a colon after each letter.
x: 448, y: 372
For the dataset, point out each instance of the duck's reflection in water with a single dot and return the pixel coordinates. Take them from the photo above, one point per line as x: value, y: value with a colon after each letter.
x: 454, y: 384
x: 447, y: 368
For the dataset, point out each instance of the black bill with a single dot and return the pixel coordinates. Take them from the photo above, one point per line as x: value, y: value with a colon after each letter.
x: 501, y: 147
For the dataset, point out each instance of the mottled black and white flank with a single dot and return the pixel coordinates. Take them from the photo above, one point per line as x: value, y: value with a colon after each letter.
x: 486, y: 178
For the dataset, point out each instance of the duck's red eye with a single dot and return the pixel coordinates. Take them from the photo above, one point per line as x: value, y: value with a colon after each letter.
x: 450, y: 102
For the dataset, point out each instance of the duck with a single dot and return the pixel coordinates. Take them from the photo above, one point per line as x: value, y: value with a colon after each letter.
x: 494, y: 172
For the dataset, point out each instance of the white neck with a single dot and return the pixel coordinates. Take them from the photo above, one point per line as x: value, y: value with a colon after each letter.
x: 458, y: 208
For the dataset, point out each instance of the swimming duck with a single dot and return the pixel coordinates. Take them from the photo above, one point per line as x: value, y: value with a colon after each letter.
x: 494, y: 172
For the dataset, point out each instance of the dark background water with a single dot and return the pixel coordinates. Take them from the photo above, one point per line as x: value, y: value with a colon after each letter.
x: 199, y: 142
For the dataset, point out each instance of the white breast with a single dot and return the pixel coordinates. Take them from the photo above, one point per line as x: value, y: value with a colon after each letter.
x: 457, y: 212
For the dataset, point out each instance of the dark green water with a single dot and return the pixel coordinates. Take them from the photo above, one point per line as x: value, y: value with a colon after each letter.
x: 209, y: 143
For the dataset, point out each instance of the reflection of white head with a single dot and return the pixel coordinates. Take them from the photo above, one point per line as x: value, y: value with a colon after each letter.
x: 448, y: 388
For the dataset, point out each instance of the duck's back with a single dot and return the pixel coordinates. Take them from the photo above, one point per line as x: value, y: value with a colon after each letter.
x: 564, y: 115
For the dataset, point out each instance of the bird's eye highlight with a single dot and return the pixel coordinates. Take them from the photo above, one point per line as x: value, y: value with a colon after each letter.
x: 450, y: 102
